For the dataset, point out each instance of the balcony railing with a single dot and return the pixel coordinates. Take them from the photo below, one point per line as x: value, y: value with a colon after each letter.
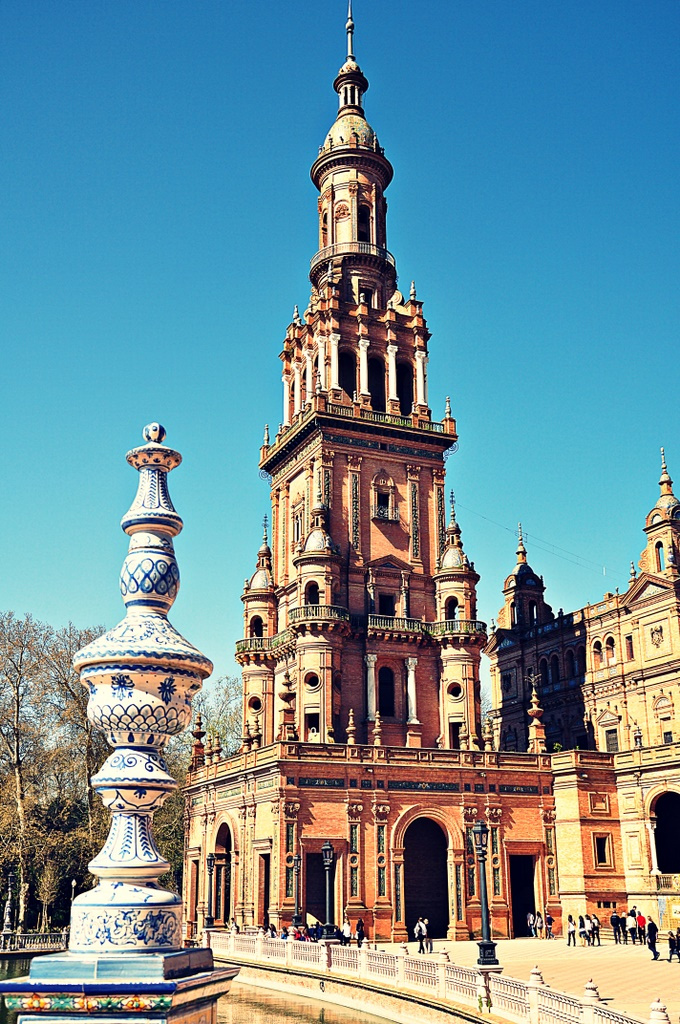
x: 390, y: 515
x: 264, y: 643
x: 668, y: 883
x: 386, y: 417
x: 456, y: 626
x: 319, y: 611
x: 351, y: 249
x: 394, y: 624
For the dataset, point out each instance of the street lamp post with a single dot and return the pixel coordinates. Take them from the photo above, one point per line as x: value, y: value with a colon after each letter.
x: 210, y: 863
x: 297, y: 916
x: 73, y: 893
x: 487, y: 948
x: 8, y: 922
x: 328, y: 855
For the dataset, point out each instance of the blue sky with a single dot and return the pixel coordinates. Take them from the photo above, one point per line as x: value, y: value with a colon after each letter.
x: 157, y: 221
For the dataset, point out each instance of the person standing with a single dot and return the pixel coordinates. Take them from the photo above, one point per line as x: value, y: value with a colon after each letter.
x: 361, y: 932
x: 673, y: 946
x: 429, y: 945
x: 615, y: 922
x: 420, y: 934
x: 571, y: 932
x: 596, y: 930
x: 631, y: 924
x: 548, y: 925
x: 652, y: 932
x: 346, y: 935
x: 539, y: 925
x: 641, y: 923
x: 531, y: 924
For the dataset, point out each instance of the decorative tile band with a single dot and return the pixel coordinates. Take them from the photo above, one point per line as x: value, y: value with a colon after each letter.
x: 87, y: 1004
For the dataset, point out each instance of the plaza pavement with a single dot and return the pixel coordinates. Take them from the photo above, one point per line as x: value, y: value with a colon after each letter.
x: 627, y: 979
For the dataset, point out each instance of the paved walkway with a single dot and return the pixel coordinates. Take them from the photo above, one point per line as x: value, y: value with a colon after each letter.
x: 627, y: 978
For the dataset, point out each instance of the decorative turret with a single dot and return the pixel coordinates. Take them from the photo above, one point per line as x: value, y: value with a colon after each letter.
x: 662, y: 526
x: 142, y: 676
x: 523, y: 589
x: 536, y: 727
x: 259, y: 602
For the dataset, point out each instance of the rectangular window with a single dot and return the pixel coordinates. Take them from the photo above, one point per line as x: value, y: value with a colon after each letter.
x: 667, y: 735
x: 611, y: 740
x: 603, y: 850
x: 496, y: 881
x: 382, y: 507
x: 354, y: 839
x: 381, y: 838
x: 629, y: 648
x: 382, y: 882
x: 386, y: 604
x: 290, y: 832
x: 494, y: 840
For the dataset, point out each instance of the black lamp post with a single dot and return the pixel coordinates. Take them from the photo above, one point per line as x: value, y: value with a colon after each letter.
x: 297, y: 916
x: 487, y: 948
x: 210, y: 863
x: 328, y: 855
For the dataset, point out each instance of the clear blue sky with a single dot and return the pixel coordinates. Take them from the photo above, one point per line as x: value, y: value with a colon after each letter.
x: 157, y: 221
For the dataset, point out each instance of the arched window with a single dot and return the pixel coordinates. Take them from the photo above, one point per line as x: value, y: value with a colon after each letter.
x: 611, y: 650
x: 570, y: 664
x: 405, y: 388
x: 312, y: 592
x: 364, y: 223
x: 532, y: 613
x: 581, y: 661
x: 376, y: 384
x: 554, y: 670
x: 347, y: 373
x: 597, y: 654
x: 660, y: 557
x: 451, y: 608
x: 513, y: 614
x: 256, y: 628
x: 324, y: 229
x: 543, y: 672
x: 386, y: 692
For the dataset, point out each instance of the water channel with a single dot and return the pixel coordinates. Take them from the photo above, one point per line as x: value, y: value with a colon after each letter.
x: 243, y: 1005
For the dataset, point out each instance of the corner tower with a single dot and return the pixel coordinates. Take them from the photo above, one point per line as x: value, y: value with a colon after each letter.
x: 354, y: 608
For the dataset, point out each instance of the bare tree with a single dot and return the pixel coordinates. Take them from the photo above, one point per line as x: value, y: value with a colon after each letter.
x: 48, y: 888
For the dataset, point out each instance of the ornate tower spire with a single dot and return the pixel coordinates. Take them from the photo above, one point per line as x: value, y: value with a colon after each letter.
x: 663, y: 529
x: 521, y: 550
x: 350, y: 31
x: 142, y: 676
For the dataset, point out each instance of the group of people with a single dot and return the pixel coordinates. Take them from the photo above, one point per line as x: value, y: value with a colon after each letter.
x: 588, y: 930
x: 636, y: 928
x: 313, y: 932
x: 537, y: 924
x: 422, y: 936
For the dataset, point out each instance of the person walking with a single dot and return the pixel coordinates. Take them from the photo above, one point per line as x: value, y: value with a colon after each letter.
x: 652, y: 932
x: 531, y: 924
x: 673, y: 946
x: 429, y: 944
x: 615, y: 922
x: 346, y: 935
x: 631, y: 925
x: 596, y: 929
x: 361, y: 932
x: 539, y: 925
x: 548, y: 925
x: 571, y: 932
x: 641, y: 921
x: 420, y: 934
x: 582, y: 934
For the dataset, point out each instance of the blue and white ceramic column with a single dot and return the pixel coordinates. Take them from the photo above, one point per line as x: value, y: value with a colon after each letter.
x: 125, y: 954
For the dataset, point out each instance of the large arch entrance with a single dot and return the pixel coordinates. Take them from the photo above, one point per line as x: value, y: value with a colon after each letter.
x: 425, y: 876
x: 222, y: 911
x: 667, y: 834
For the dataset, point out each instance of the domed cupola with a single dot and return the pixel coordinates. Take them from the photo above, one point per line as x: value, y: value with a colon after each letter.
x: 455, y: 579
x: 259, y: 600
x: 262, y: 578
x: 662, y: 527
x: 523, y: 589
x: 317, y: 561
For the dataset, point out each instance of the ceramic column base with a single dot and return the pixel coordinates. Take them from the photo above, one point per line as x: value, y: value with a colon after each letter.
x: 175, y: 988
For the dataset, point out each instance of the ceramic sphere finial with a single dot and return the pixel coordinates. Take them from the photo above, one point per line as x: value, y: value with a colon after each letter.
x: 154, y: 432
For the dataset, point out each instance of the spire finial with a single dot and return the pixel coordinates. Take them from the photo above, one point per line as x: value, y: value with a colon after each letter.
x: 521, y: 550
x: 412, y: 294
x: 265, y: 524
x: 665, y: 481
x: 350, y: 31
x: 447, y: 408
x: 265, y: 440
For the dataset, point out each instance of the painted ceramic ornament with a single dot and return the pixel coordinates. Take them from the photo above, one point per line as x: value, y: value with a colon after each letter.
x: 141, y: 677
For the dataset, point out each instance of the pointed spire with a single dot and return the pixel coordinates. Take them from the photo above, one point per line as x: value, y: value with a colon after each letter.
x: 412, y: 294
x: 665, y: 481
x: 447, y: 408
x: 521, y: 550
x: 265, y: 440
x: 633, y: 573
x: 265, y: 523
x: 350, y: 31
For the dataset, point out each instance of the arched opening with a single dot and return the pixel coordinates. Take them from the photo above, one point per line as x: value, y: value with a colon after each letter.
x: 611, y: 650
x: 554, y: 670
x: 532, y: 613
x: 222, y: 911
x: 312, y: 592
x: 451, y: 608
x: 376, y: 384
x: 347, y: 373
x: 513, y: 614
x: 364, y: 223
x: 405, y: 388
x: 543, y: 672
x: 571, y: 664
x: 667, y: 833
x: 660, y: 558
x: 324, y: 229
x: 581, y: 661
x: 597, y: 654
x: 425, y: 877
x: 256, y: 626
x: 386, y: 692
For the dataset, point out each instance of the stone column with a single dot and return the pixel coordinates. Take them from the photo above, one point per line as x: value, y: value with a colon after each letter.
x: 651, y: 828
x: 420, y: 378
x: 370, y: 660
x: 321, y: 345
x: 297, y: 389
x: 392, y: 373
x: 335, y: 381
x: 286, y: 400
x: 363, y: 366
x: 411, y: 690
x: 309, y: 377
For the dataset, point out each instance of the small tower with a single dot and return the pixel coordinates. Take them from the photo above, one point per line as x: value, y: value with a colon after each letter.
x: 661, y: 556
x: 461, y: 641
x: 259, y: 621
x: 524, y: 590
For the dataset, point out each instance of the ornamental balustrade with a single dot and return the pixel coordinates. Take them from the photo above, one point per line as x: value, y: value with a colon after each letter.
x: 667, y: 883
x: 435, y: 978
x: 319, y: 611
x: 33, y: 941
x: 351, y: 248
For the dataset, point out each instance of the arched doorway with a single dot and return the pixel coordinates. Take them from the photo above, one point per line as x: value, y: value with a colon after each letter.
x: 222, y: 879
x: 426, y: 877
x: 667, y: 834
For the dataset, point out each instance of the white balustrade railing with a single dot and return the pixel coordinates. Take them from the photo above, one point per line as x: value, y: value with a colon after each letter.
x: 485, y: 991
x: 30, y: 941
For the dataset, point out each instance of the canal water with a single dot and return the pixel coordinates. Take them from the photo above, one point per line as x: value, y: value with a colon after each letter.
x: 243, y: 1005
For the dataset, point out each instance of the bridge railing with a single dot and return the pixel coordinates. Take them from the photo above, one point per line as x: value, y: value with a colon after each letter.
x: 15, y: 942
